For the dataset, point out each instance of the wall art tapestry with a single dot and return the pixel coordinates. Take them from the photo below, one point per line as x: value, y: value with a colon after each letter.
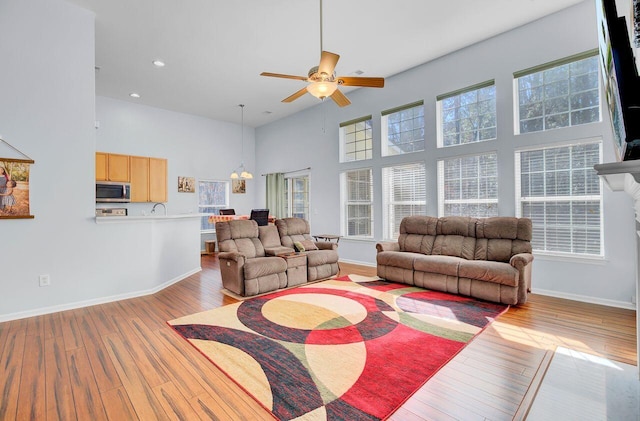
x: 186, y: 185
x: 14, y: 185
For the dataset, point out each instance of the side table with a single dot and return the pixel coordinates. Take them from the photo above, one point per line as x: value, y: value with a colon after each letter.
x: 327, y: 237
x: 296, y: 268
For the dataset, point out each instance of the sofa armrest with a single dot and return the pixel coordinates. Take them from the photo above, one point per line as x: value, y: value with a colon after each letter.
x: 520, y: 260
x: 233, y: 256
x: 388, y: 246
x: 325, y: 245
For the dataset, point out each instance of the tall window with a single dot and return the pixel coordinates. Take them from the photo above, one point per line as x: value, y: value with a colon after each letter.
x: 212, y: 196
x: 467, y: 115
x: 297, y: 196
x: 356, y: 140
x: 357, y: 203
x: 468, y: 186
x: 560, y: 191
x: 559, y: 94
x: 404, y: 194
x: 403, y: 129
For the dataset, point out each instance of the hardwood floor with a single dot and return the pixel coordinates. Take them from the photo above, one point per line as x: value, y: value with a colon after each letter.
x: 121, y: 361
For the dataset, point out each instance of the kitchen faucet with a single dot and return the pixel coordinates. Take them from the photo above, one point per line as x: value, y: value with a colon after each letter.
x: 153, y: 210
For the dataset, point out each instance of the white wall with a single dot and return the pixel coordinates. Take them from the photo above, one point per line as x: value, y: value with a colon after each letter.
x: 48, y: 111
x: 194, y: 146
x: 298, y: 141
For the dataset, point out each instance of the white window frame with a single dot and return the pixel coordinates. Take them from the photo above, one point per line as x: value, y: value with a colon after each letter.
x: 289, y: 194
x: 440, y: 114
x: 598, y: 197
x: 547, y: 66
x: 201, y: 207
x: 356, y: 139
x: 389, y: 203
x: 408, y: 128
x: 345, y: 203
x: 442, y: 201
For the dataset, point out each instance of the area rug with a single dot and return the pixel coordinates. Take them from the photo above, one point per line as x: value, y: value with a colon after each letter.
x: 350, y: 348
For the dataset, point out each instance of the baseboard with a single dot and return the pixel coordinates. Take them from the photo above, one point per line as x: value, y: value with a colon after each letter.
x: 356, y: 262
x: 96, y: 301
x: 585, y: 299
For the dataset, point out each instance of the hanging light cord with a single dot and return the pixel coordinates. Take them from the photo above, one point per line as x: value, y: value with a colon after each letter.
x: 321, y: 27
x: 242, y: 132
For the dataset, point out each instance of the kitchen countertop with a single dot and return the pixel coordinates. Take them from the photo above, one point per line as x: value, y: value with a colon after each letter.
x: 144, y: 218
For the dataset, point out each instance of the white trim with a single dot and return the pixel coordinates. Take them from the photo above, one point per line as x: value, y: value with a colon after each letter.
x: 585, y: 299
x: 96, y: 301
x: 357, y: 262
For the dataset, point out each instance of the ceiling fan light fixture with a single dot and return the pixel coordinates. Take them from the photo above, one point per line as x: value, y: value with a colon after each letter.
x: 322, y: 89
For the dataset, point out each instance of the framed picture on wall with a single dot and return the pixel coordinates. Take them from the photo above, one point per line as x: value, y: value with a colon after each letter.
x: 14, y: 188
x: 186, y: 184
x: 239, y: 186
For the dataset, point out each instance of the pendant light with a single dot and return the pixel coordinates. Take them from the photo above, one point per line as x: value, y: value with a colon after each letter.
x: 244, y: 174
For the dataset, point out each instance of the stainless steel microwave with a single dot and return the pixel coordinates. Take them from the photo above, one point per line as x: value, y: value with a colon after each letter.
x: 113, y: 192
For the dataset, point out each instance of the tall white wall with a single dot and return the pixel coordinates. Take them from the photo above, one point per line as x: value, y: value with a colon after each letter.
x: 47, y: 111
x: 299, y: 141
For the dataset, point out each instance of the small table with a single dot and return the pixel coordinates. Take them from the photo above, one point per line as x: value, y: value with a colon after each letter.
x: 327, y: 237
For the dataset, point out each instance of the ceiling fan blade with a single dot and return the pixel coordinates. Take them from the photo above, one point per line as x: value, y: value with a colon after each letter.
x: 328, y: 62
x: 283, y: 76
x: 339, y: 98
x: 367, y: 82
x: 296, y: 95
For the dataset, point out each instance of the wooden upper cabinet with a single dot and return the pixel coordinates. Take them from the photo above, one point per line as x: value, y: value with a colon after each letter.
x: 148, y: 176
x: 157, y: 180
x: 101, y: 166
x: 118, y: 168
x: 139, y: 178
x: 112, y: 167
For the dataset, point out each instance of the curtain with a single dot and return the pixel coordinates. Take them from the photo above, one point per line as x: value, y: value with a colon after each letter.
x: 276, y: 195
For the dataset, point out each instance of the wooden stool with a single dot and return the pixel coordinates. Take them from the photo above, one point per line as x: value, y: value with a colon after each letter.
x: 210, y: 246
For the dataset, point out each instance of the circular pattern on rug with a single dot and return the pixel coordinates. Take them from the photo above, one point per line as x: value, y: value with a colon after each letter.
x: 363, y: 317
x: 314, y: 311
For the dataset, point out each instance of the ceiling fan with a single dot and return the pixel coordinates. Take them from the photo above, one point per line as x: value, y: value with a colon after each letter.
x: 322, y: 79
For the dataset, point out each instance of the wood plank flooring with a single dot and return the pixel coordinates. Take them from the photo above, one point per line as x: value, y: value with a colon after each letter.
x: 120, y: 361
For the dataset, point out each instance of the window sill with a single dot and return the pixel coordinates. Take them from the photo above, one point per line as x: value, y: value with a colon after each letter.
x: 573, y: 258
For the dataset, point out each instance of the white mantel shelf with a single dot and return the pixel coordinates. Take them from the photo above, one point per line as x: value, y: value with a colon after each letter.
x: 625, y: 176
x: 141, y: 218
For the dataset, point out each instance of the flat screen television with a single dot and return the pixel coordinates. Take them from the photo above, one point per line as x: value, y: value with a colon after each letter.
x: 621, y: 81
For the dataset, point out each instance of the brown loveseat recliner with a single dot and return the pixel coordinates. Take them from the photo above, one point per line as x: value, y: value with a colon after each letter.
x: 486, y: 258
x: 321, y: 263
x: 244, y: 267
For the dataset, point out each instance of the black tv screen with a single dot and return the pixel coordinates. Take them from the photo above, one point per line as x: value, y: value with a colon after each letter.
x: 621, y: 82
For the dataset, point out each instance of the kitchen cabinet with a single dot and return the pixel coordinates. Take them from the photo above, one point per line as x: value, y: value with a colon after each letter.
x: 148, y: 179
x: 112, y: 167
x: 157, y: 180
x: 139, y: 178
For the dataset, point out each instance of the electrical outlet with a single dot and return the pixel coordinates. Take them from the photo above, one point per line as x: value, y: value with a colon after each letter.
x: 45, y: 280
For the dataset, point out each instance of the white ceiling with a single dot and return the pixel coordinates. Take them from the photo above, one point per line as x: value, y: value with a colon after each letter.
x: 215, y: 50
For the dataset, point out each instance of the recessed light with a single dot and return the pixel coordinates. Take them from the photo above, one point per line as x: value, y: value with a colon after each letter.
x: 158, y: 63
x: 134, y: 95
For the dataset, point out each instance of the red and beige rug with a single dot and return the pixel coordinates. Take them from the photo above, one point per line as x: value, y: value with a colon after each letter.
x: 351, y: 348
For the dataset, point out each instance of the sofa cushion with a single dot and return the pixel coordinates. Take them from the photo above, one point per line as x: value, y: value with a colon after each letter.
x: 454, y: 245
x: 457, y: 225
x: 321, y: 257
x: 416, y: 243
x: 263, y: 266
x: 445, y: 265
x: 309, y: 245
x: 489, y: 271
x: 399, y: 259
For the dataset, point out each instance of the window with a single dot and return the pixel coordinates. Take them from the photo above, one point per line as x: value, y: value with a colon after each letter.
x: 468, y: 186
x: 297, y: 196
x: 467, y: 115
x: 357, y: 203
x: 356, y: 140
x: 559, y: 94
x: 403, y: 129
x: 404, y: 194
x: 212, y: 196
x: 560, y: 191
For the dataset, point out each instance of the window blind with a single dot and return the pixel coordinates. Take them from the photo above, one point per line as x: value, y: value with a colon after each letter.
x: 404, y: 194
x: 358, y: 202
